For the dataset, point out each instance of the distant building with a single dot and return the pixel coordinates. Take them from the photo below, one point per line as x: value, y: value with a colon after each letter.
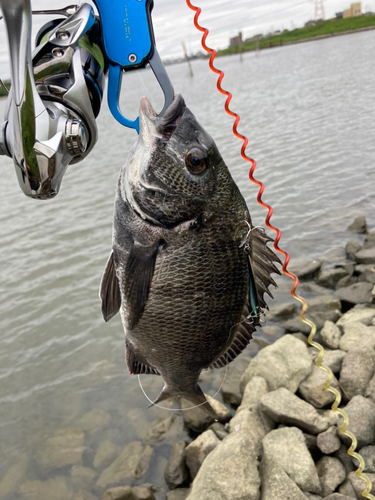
x: 254, y: 38
x: 354, y: 10
x: 338, y: 15
x: 310, y: 23
x: 236, y: 40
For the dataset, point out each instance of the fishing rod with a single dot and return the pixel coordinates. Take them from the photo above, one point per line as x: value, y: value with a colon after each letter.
x: 56, y: 91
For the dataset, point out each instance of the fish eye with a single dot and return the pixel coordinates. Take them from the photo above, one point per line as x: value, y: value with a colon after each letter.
x: 196, y: 161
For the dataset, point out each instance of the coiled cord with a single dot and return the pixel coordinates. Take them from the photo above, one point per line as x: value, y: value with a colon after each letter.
x: 335, y: 406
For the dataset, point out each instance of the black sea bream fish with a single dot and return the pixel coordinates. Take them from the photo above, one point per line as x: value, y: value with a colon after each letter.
x: 187, y: 268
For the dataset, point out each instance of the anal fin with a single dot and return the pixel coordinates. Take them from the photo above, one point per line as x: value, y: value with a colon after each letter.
x: 135, y: 367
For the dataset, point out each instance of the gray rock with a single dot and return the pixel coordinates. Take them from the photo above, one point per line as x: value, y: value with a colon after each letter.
x: 319, y: 318
x: 176, y: 473
x: 323, y: 308
x: 366, y: 256
x: 366, y: 272
x: 357, y: 336
x: 358, y: 314
x: 198, y: 450
x: 361, y: 413
x: 301, y: 336
x: 260, y: 343
x: 84, y: 495
x: 290, y: 360
x: 358, y: 293
x: 305, y: 268
x: 93, y: 420
x: 65, y: 447
x: 82, y: 477
x: 347, y: 489
x: 324, y: 304
x: 277, y: 485
x: 272, y: 330
x: 370, y: 239
x: 331, y: 473
x: 106, y: 453
x: 331, y: 276
x: 230, y: 389
x: 234, y: 457
x: 253, y: 393
x: 368, y: 455
x: 313, y: 391
x: 311, y: 287
x: 370, y: 389
x: 331, y: 334
x: 219, y: 430
x: 286, y: 449
x: 313, y: 496
x: 41, y: 490
x: 285, y: 407
x: 329, y: 416
x: 131, y: 464
x: 162, y: 428
x: 332, y: 359
x: 359, y: 484
x: 13, y: 477
x: 249, y: 418
x: 345, y: 459
x: 352, y: 247
x: 295, y: 325
x: 357, y: 370
x: 129, y: 493
x: 344, y: 282
x: 310, y: 441
x: 198, y: 420
x: 281, y: 311
x: 328, y: 441
x: 359, y: 225
x: 179, y: 494
x: 337, y: 496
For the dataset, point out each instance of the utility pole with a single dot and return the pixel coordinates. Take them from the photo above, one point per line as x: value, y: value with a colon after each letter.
x: 319, y: 10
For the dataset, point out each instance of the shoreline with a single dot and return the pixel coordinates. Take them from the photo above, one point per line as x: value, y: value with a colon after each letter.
x: 319, y: 37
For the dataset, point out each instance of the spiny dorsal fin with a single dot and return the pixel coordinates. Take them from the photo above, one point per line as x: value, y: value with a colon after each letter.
x: 261, y: 264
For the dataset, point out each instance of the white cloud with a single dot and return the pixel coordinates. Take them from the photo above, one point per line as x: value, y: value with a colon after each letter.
x: 173, y: 21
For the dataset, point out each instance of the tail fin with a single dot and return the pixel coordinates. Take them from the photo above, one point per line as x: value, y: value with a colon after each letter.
x: 195, y: 396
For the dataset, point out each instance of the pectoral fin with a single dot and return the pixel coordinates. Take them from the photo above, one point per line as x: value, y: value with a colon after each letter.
x: 109, y: 292
x: 138, y: 275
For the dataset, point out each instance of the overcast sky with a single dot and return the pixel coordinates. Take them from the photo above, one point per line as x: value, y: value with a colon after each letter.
x: 173, y: 21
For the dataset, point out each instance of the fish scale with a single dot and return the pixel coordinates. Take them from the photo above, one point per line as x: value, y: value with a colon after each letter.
x: 187, y: 268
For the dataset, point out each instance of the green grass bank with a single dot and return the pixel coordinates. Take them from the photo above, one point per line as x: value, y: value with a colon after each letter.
x: 325, y: 28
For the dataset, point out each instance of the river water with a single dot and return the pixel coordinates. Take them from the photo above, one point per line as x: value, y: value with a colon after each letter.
x: 308, y: 111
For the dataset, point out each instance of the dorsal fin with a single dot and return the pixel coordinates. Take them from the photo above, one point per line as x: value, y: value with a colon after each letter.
x: 261, y: 263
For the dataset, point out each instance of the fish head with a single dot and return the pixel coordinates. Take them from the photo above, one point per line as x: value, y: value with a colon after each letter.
x: 175, y: 169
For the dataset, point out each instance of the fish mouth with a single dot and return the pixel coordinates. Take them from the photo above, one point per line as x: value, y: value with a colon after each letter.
x: 163, y: 126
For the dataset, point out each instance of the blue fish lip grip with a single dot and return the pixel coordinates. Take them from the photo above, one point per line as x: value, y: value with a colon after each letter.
x: 129, y: 43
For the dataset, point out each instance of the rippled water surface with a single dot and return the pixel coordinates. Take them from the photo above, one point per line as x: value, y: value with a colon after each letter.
x: 308, y: 111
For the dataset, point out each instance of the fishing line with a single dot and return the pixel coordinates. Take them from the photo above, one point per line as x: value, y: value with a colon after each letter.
x: 318, y: 361
x: 183, y: 409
